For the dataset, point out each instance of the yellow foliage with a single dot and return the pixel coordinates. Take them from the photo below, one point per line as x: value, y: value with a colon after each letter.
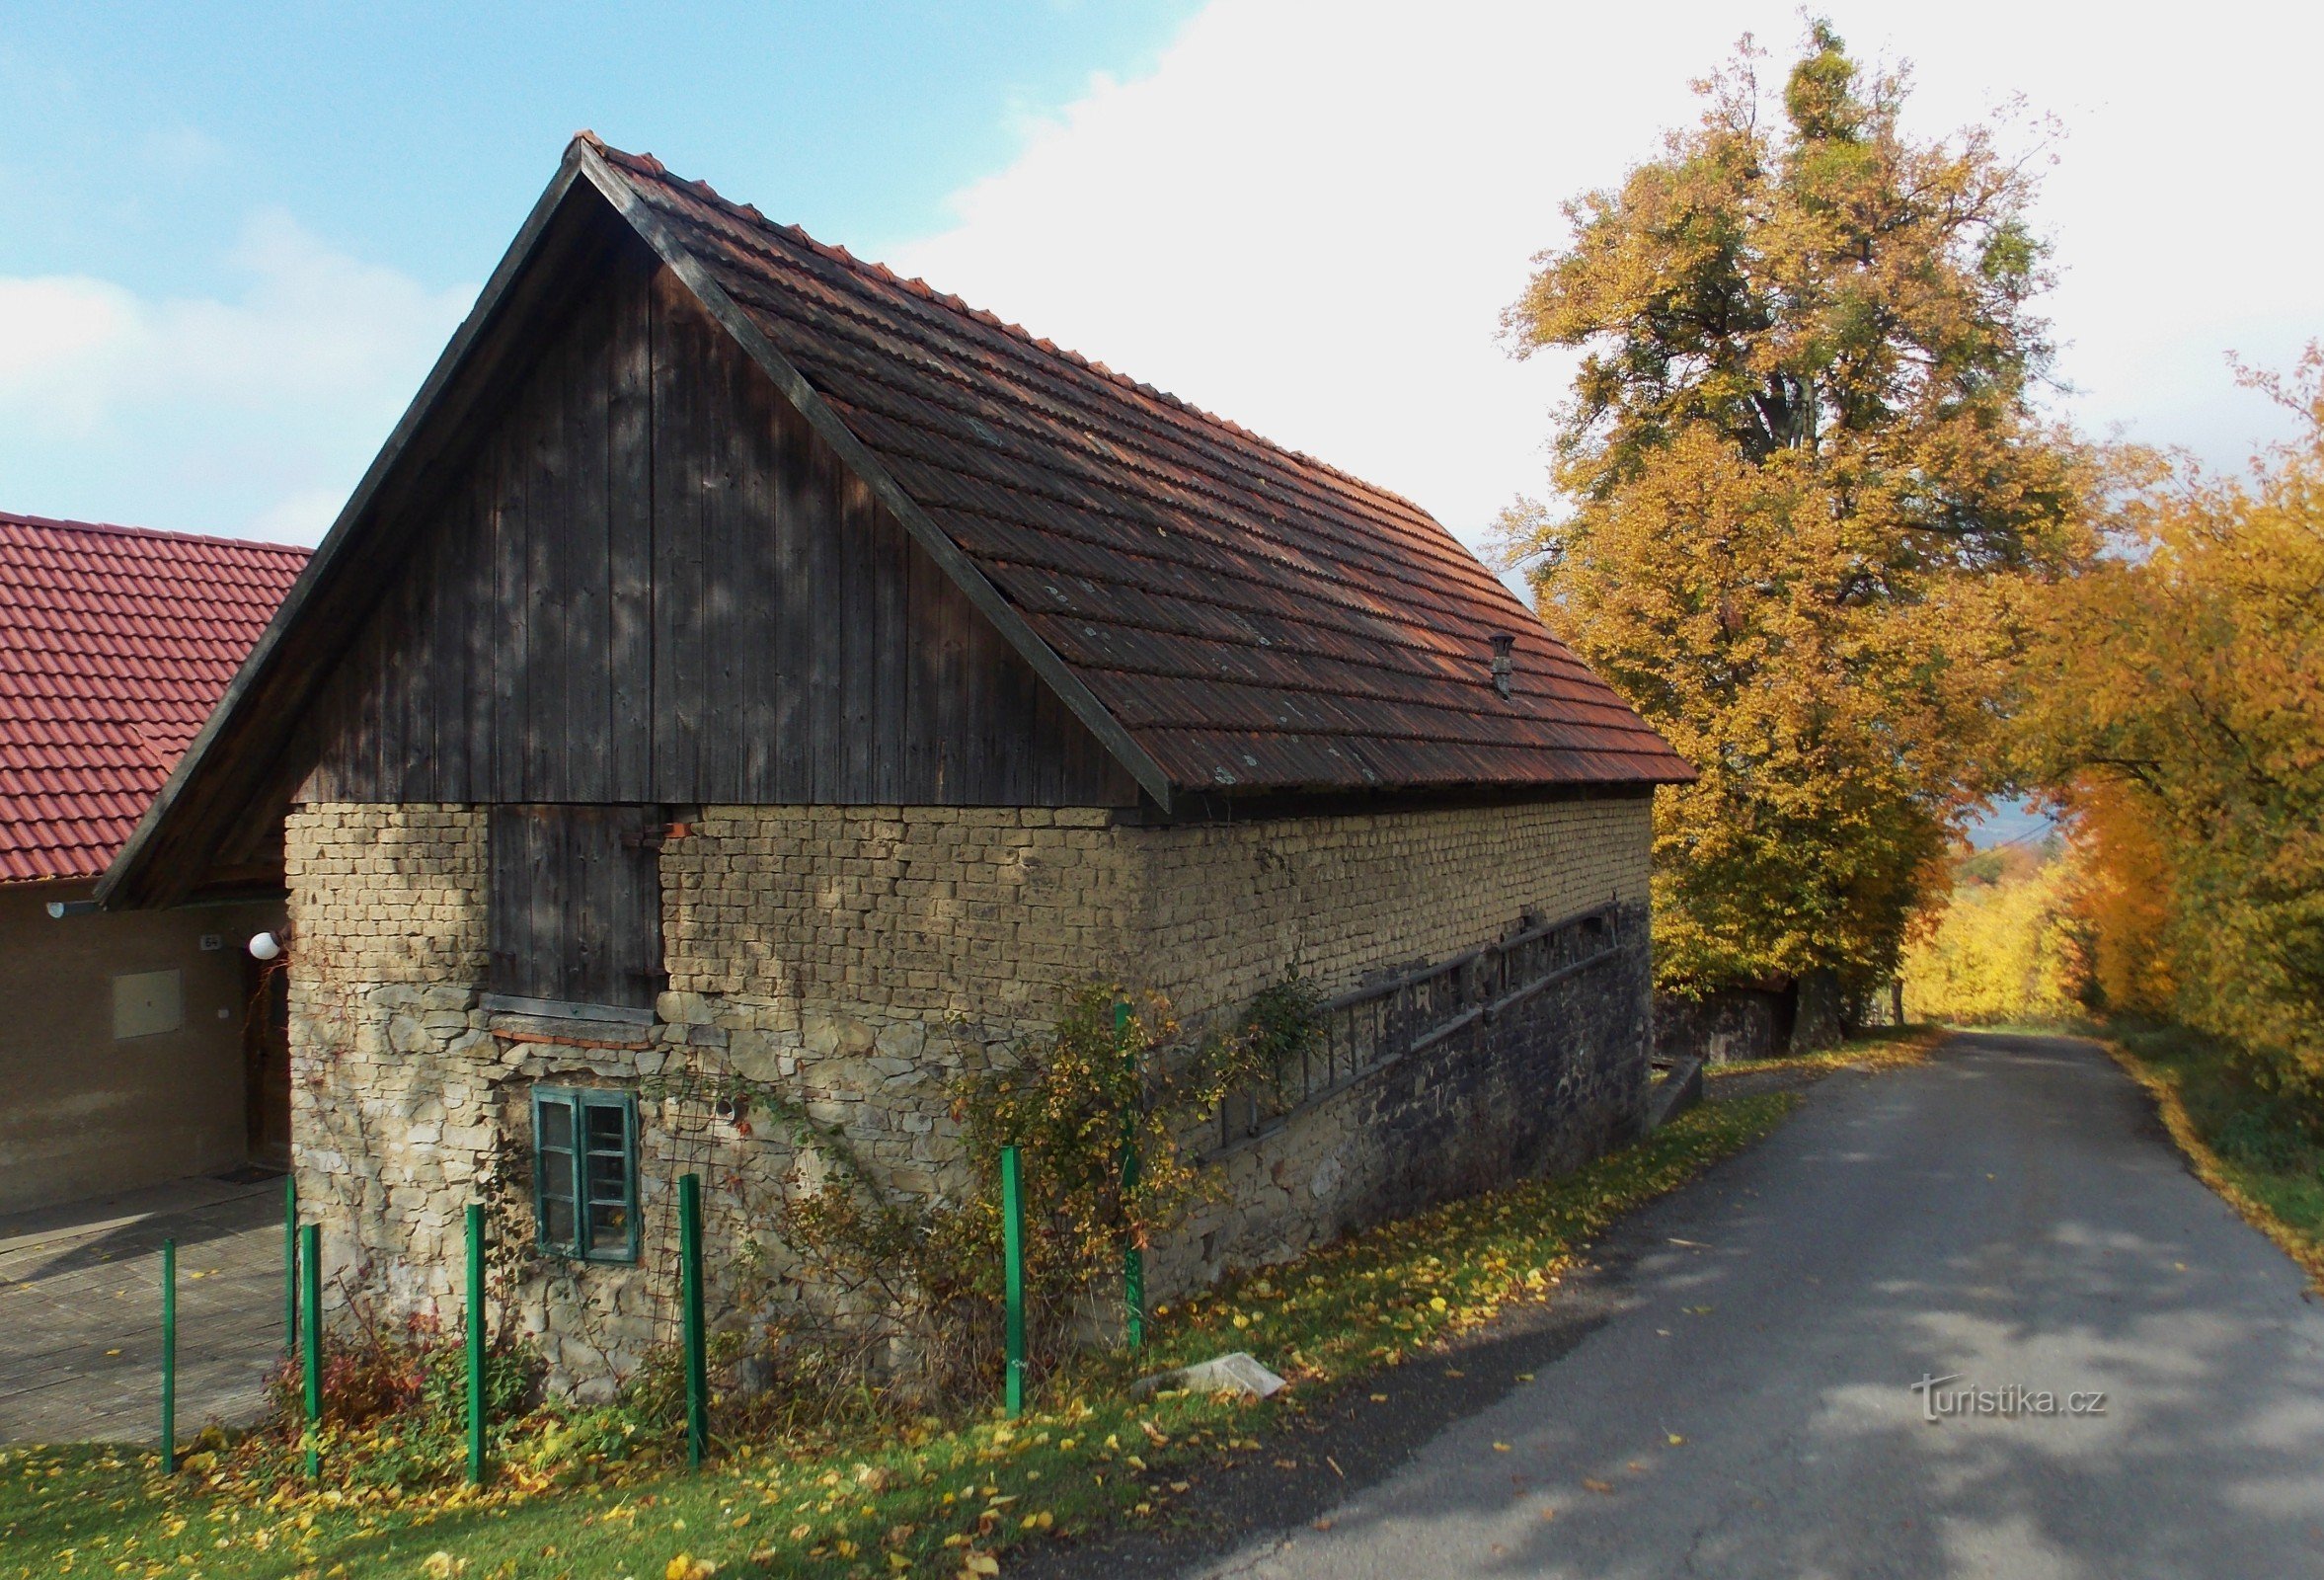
x: 2177, y: 698
x: 1806, y: 495
x: 2011, y: 950
x: 2125, y: 896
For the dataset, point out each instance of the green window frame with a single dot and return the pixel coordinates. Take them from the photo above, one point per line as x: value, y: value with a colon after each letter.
x: 584, y: 1155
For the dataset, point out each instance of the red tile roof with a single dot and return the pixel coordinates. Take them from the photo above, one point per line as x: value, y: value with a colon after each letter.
x: 115, y: 643
x: 1256, y: 619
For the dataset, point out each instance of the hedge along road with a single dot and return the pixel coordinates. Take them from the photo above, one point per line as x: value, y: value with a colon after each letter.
x: 2009, y: 1216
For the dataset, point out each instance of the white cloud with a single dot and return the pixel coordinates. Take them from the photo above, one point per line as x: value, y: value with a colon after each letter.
x: 62, y: 342
x: 253, y: 415
x: 1309, y: 218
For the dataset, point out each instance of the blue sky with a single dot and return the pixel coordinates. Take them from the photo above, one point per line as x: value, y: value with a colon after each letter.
x: 233, y: 238
x: 139, y: 138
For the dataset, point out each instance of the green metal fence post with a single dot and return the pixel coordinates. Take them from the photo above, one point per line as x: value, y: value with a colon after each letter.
x: 169, y: 1357
x: 290, y: 1265
x: 690, y: 1292
x: 1133, y: 1259
x: 475, y: 1344
x: 1013, y: 1273
x: 310, y: 1267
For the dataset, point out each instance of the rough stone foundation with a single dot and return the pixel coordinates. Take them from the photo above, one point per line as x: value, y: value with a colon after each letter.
x: 858, y: 959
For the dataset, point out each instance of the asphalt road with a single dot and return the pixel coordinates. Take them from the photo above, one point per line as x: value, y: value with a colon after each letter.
x: 2008, y: 1214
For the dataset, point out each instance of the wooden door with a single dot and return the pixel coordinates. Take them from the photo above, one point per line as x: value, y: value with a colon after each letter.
x: 266, y: 1060
x: 576, y: 905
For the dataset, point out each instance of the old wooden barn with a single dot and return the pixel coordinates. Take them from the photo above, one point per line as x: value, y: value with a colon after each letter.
x: 744, y: 659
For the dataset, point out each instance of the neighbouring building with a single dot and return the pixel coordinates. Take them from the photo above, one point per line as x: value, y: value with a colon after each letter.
x: 743, y: 660
x: 131, y: 1048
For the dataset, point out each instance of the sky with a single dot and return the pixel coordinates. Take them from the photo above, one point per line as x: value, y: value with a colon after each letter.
x: 233, y: 238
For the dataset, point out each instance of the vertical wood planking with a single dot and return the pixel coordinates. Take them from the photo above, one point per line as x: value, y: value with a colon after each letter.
x: 890, y: 618
x: 630, y: 546
x: 577, y: 910
x: 721, y: 424
x: 856, y: 630
x: 477, y: 571
x: 819, y: 550
x: 549, y: 634
x: 752, y: 563
x: 791, y: 778
x: 653, y: 584
x: 414, y: 700
x: 509, y: 663
x: 678, y: 347
x: 585, y: 552
x: 447, y: 686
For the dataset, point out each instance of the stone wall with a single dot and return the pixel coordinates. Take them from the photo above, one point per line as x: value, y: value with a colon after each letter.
x: 857, y: 959
x: 1732, y: 1025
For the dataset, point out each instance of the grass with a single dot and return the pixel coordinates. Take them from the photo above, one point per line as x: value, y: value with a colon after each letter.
x: 2253, y: 1147
x: 929, y: 1499
x: 1882, y: 1047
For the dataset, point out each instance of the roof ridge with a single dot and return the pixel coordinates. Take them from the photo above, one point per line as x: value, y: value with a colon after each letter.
x: 654, y: 166
x: 113, y: 528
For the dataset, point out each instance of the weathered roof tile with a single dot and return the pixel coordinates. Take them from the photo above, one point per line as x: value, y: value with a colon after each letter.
x: 115, y: 643
x: 1255, y: 618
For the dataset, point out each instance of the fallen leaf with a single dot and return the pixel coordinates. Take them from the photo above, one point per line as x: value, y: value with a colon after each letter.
x: 1595, y: 1485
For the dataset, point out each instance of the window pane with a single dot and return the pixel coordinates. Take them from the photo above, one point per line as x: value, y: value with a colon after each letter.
x: 608, y: 1128
x: 557, y: 1223
x: 609, y: 1231
x: 557, y: 1175
x: 609, y: 1177
x: 557, y: 1125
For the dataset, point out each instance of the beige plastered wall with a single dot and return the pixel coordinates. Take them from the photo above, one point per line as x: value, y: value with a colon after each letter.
x: 83, y: 1113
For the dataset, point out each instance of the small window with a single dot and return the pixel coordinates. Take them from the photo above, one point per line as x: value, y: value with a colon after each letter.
x: 585, y: 1145
x: 146, y: 1004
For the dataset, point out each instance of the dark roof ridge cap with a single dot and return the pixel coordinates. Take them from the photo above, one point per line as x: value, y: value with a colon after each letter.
x: 115, y: 529
x: 920, y: 287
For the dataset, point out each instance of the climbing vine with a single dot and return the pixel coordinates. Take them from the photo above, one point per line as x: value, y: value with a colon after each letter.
x: 896, y: 1299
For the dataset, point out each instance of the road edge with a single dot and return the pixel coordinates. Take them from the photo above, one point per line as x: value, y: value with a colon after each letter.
x: 2204, y: 1163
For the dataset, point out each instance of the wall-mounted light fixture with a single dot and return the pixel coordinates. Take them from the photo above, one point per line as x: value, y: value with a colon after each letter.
x: 265, y: 946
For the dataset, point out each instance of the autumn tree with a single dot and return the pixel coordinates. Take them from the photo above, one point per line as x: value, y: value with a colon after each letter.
x: 2177, y: 700
x: 1803, y: 488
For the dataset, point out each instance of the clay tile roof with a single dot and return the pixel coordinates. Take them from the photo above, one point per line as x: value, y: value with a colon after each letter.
x: 113, y: 644
x: 1254, y: 618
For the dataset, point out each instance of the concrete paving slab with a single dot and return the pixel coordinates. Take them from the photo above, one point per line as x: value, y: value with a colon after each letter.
x: 80, y: 1311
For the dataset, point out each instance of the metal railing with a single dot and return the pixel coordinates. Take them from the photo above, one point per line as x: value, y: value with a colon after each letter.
x: 1370, y: 1027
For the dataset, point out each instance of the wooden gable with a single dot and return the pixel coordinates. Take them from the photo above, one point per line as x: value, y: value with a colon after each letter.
x: 649, y: 581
